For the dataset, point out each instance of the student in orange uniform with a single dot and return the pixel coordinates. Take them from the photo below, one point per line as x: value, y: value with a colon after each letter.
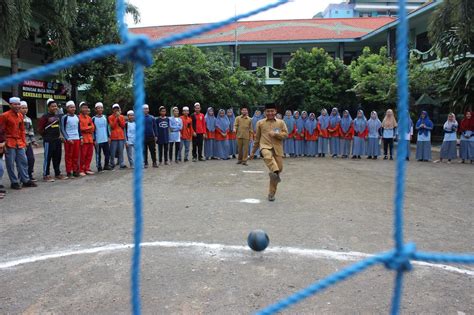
x: 311, y: 136
x: 333, y: 129
x: 347, y: 133
x: 209, y: 144
x: 87, y: 144
x: 323, y: 125
x: 186, y: 133
x: 231, y: 136
x: 117, y: 136
x: 15, y: 143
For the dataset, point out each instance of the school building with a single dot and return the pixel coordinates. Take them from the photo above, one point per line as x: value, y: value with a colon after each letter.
x: 269, y: 44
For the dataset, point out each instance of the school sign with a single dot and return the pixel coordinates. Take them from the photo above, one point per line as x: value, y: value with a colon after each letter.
x: 43, y: 90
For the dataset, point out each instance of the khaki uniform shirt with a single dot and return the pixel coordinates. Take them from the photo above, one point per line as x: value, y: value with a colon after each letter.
x: 243, y: 126
x: 263, y: 140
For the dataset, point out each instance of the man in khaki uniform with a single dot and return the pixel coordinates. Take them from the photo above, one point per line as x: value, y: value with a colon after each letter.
x: 243, y: 130
x: 270, y: 135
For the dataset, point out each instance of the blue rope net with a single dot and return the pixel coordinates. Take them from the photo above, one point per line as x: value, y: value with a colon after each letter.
x: 138, y: 49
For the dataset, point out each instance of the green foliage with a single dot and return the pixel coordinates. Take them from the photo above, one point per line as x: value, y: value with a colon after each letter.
x: 50, y: 17
x: 96, y: 25
x: 314, y: 80
x: 451, y: 32
x: 374, y: 77
x: 185, y: 75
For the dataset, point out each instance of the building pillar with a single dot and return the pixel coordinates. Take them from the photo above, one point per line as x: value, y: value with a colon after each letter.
x: 269, y: 57
x: 340, y: 51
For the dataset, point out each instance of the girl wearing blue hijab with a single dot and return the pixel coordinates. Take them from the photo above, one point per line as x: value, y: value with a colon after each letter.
x: 333, y: 129
x: 232, y: 137
x: 289, y: 143
x: 323, y: 125
x: 221, y: 133
x: 210, y: 134
x: 361, y: 132
x: 299, y: 134
x: 423, y: 144
x: 311, y: 130
x: 373, y: 143
x: 347, y: 133
x: 257, y: 116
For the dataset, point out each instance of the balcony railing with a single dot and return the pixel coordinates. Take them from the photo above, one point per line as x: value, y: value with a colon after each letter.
x: 272, y: 75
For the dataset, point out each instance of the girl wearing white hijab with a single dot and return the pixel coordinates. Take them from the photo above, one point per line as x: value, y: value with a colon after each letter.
x: 389, y: 133
x: 448, y: 148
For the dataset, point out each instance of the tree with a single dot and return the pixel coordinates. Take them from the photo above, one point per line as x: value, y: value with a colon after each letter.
x: 374, y: 78
x: 185, y: 75
x: 313, y: 80
x: 451, y: 31
x: 96, y: 26
x: 21, y: 18
x: 375, y: 81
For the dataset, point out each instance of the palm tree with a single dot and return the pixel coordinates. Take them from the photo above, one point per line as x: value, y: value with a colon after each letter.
x: 21, y: 17
x: 451, y: 32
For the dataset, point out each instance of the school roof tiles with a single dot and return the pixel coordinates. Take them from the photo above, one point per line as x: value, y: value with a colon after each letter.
x: 274, y: 30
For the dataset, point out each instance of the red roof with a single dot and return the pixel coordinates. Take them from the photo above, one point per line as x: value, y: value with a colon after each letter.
x: 275, y: 30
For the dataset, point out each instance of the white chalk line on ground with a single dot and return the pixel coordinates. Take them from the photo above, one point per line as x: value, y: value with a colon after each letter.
x: 221, y: 248
x: 250, y: 200
x: 253, y: 172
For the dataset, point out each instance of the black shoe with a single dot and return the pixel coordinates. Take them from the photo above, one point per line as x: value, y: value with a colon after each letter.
x: 100, y: 170
x: 369, y: 157
x: 75, y: 174
x: 391, y: 158
x: 385, y: 158
x: 359, y: 157
x: 155, y: 165
x: 271, y: 197
x: 108, y: 168
x: 15, y: 186
x: 30, y: 184
x: 354, y: 157
x: 324, y: 154
x: 408, y: 159
x: 194, y: 160
x: 375, y: 157
x: 123, y: 167
x: 201, y: 159
x: 33, y: 179
x: 186, y: 160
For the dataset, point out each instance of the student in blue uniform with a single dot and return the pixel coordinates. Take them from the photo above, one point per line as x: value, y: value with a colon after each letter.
x: 162, y: 123
x: 176, y: 125
x: 130, y: 134
x: 424, y: 126
x: 289, y: 143
x: 373, y: 145
x: 448, y: 148
x: 209, y: 141
x: 361, y: 131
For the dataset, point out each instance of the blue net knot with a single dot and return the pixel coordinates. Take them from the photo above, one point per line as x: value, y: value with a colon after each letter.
x: 400, y: 260
x: 139, y: 50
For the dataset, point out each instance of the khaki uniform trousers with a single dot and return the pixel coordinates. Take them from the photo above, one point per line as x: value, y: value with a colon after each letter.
x: 274, y: 164
x: 243, y: 149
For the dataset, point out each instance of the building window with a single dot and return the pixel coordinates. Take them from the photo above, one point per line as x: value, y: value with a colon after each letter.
x: 348, y: 57
x: 253, y: 61
x: 337, y: 12
x: 280, y: 60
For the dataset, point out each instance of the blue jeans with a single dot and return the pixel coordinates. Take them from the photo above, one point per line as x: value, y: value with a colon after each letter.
x: 186, y: 144
x: 1, y: 169
x: 17, y: 156
x: 116, y: 145
x: 131, y: 154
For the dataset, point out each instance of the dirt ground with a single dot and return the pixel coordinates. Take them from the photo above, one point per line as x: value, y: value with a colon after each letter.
x: 322, y: 204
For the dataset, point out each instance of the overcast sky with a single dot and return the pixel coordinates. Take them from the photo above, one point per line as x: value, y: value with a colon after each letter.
x: 170, y: 12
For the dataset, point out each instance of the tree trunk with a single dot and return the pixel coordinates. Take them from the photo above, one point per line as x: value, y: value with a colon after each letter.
x: 15, y: 67
x: 74, y: 91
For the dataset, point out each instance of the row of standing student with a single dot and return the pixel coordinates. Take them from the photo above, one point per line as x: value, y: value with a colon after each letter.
x: 336, y: 135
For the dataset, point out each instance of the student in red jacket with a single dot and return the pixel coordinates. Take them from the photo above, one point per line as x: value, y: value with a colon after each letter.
x: 15, y: 143
x: 199, y: 127
x: 186, y: 133
x: 87, y: 145
x: 117, y: 136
